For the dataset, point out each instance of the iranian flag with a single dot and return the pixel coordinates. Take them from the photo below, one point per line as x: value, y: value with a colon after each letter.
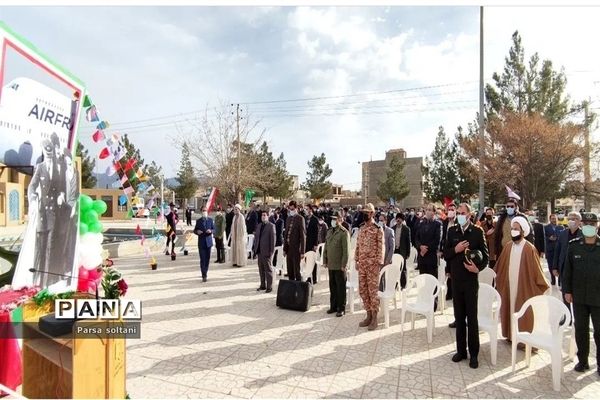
x: 212, y: 198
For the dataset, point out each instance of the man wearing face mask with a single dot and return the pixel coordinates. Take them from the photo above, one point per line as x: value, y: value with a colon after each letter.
x: 427, y: 242
x: 239, y: 254
x: 538, y: 232
x: 562, y: 245
x: 204, y: 229
x: 402, y: 244
x: 505, y: 221
x: 461, y: 237
x: 489, y: 229
x: 264, y: 246
x: 294, y: 243
x: 358, y: 217
x: 551, y: 234
x: 369, y: 255
x: 335, y: 259
x: 519, y: 277
x: 562, y: 219
x: 580, y: 284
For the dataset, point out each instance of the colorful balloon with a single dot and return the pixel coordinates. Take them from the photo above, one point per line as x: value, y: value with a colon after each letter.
x: 95, y: 227
x: 100, y: 206
x: 82, y: 282
x: 83, y: 228
x: 85, y: 203
x: 90, y: 217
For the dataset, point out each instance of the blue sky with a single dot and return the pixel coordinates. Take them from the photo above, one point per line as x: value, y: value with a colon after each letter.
x: 141, y: 63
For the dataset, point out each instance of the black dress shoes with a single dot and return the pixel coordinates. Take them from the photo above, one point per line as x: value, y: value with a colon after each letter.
x: 340, y: 313
x: 473, y: 363
x: 269, y: 290
x: 261, y: 288
x: 580, y: 367
x: 330, y: 311
x: 452, y: 324
x: 458, y: 357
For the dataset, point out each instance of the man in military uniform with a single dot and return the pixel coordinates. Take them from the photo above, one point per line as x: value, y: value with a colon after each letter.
x: 580, y: 285
x: 335, y: 259
x: 369, y: 259
x: 465, y: 286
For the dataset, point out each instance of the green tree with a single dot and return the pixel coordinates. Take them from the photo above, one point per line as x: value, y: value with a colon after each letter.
x: 88, y: 180
x: 274, y: 178
x: 186, y: 176
x: 133, y: 152
x: 154, y: 173
x: 394, y: 186
x: 284, y: 188
x: 441, y: 169
x: 316, y: 179
x: 528, y: 88
x: 526, y: 96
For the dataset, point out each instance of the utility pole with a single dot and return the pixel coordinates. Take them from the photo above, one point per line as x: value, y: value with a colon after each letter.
x: 587, y: 177
x: 239, y: 150
x: 481, y: 120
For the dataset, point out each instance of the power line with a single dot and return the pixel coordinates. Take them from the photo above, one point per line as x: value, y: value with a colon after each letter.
x: 115, y: 124
x: 356, y: 94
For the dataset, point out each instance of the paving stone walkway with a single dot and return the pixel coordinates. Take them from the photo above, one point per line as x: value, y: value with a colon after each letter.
x: 222, y: 339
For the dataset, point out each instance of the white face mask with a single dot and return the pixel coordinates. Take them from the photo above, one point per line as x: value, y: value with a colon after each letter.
x: 333, y: 223
x: 451, y: 214
x: 204, y: 214
x: 292, y: 213
x: 515, y: 233
x: 561, y: 216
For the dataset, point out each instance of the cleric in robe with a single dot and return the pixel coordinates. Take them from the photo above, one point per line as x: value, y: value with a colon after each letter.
x: 239, y: 253
x: 519, y: 277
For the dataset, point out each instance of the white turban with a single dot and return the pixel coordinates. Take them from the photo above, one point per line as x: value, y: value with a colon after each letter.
x: 238, y: 206
x: 524, y: 225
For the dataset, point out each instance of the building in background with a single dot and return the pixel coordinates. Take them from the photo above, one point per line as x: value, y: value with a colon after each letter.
x: 374, y: 172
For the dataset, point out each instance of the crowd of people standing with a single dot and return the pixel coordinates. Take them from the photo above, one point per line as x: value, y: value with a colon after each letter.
x: 511, y: 242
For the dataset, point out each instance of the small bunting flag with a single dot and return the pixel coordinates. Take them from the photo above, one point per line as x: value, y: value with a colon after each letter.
x: 128, y: 190
x: 87, y: 102
x: 91, y: 114
x: 98, y: 136
x: 104, y: 153
x: 102, y: 125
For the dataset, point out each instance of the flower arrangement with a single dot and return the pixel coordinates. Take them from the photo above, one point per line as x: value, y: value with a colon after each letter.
x: 11, y: 299
x: 113, y: 284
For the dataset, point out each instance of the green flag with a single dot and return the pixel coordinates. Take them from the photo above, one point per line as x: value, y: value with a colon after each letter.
x: 87, y: 102
x: 249, y: 194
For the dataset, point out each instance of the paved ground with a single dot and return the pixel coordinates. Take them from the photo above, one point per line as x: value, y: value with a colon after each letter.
x: 223, y: 339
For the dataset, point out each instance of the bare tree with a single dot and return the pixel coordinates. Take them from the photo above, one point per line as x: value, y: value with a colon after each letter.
x: 212, y: 139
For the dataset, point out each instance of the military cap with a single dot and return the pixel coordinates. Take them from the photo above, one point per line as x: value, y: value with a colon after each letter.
x: 589, y: 217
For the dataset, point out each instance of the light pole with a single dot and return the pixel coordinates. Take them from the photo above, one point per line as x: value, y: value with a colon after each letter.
x: 162, y: 191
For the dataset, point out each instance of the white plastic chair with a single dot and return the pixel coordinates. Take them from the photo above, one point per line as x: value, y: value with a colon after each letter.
x: 278, y: 270
x: 319, y: 261
x: 249, y: 244
x: 391, y: 273
x: 411, y: 264
x: 427, y: 288
x: 227, y: 246
x: 487, y: 276
x: 352, y: 283
x: 488, y: 315
x: 443, y: 285
x: 307, y: 265
x: 550, y: 317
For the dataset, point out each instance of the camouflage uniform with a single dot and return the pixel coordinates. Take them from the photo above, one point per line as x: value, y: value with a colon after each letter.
x: 369, y: 258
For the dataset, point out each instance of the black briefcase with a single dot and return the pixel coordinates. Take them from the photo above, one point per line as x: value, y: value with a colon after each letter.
x: 294, y: 295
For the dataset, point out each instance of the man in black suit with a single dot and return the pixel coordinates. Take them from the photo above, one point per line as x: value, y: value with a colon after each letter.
x: 43, y: 193
x: 465, y: 236
x: 427, y: 242
x: 402, y: 244
x: 539, y: 240
x: 188, y: 216
x: 252, y: 219
x: 312, y: 235
x: 228, y: 220
x: 263, y: 247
